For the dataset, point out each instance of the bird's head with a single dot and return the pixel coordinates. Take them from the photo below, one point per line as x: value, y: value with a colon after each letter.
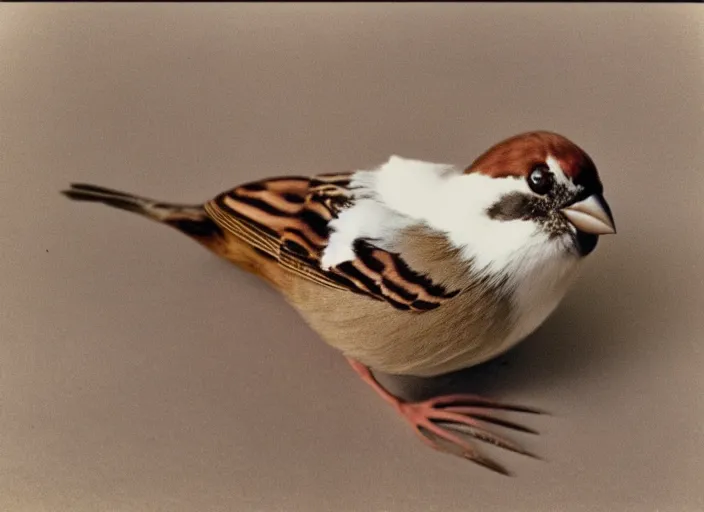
x: 544, y: 178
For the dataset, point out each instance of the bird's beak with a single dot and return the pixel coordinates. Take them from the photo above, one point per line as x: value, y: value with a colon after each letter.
x: 591, y: 215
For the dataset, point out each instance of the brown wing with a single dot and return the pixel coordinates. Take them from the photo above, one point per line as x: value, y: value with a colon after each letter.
x: 287, y: 218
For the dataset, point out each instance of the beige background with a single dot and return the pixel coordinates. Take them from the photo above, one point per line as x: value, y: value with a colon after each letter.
x: 140, y: 373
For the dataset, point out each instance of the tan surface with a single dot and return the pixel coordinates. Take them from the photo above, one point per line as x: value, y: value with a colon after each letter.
x: 139, y: 373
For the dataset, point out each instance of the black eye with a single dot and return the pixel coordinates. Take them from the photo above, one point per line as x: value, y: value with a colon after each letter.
x: 540, y: 179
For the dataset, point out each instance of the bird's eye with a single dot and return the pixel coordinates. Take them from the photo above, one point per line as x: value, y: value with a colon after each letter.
x: 540, y: 179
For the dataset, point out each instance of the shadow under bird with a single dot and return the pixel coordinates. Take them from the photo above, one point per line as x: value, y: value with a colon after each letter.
x: 413, y: 267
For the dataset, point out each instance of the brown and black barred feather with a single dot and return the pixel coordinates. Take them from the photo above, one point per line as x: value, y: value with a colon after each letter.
x: 288, y: 219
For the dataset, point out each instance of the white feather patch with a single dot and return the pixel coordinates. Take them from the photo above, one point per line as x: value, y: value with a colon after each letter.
x: 556, y: 169
x: 440, y: 196
x: 368, y: 219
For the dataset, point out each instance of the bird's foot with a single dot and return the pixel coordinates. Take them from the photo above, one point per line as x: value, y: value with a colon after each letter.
x: 434, y: 421
x: 438, y: 421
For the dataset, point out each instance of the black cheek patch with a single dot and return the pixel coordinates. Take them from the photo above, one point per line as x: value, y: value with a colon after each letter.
x: 511, y: 207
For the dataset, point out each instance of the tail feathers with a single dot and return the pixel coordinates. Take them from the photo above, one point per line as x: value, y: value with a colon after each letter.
x: 190, y: 219
x: 158, y: 211
x: 84, y: 192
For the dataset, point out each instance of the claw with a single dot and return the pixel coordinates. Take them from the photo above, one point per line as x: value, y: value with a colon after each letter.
x: 485, y: 436
x: 486, y: 418
x: 490, y: 464
x: 484, y: 403
x: 467, y: 452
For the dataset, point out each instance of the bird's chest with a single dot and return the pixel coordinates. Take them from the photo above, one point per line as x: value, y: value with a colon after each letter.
x: 536, y: 295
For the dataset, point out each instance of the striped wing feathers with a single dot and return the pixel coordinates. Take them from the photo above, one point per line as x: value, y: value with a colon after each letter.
x: 287, y: 219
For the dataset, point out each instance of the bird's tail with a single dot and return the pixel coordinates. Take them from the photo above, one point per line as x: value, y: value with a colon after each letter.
x: 189, y: 219
x: 192, y: 220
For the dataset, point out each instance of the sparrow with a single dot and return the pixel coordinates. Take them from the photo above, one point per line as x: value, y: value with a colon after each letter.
x: 413, y: 267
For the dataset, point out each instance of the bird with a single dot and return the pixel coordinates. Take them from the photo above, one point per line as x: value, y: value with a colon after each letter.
x: 412, y: 267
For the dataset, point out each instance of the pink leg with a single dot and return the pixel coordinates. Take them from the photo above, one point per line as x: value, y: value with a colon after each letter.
x: 465, y: 413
